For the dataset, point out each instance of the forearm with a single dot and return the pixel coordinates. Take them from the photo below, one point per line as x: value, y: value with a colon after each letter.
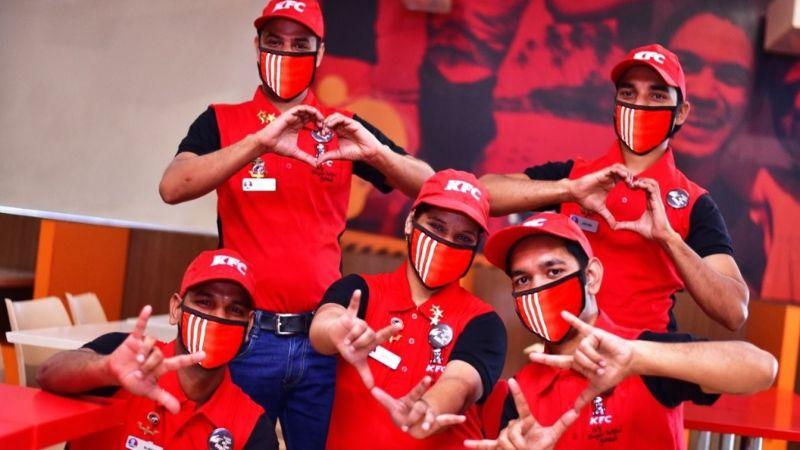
x: 403, y: 172
x: 320, y: 331
x: 75, y: 372
x: 512, y: 194
x: 188, y: 178
x: 457, y: 389
x: 733, y: 367
x: 722, y: 297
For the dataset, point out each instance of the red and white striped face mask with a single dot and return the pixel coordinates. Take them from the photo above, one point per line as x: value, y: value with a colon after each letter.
x: 643, y: 128
x: 540, y: 308
x: 438, y: 262
x: 221, y: 339
x: 286, y: 74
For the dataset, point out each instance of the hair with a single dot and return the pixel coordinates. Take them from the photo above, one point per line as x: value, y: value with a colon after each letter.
x: 742, y: 14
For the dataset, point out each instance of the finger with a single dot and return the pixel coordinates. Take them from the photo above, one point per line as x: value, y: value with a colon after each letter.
x: 516, y: 437
x: 588, y: 347
x: 308, y: 113
x: 429, y: 420
x: 587, y: 366
x: 355, y: 302
x: 503, y: 440
x: 141, y: 321
x: 305, y: 157
x: 362, y: 367
x: 607, y: 216
x: 630, y: 226
x: 560, y: 361
x: 336, y: 120
x: 331, y: 155
x: 446, y: 420
x: 483, y: 444
x: 419, y: 390
x: 582, y: 327
x: 386, y: 400
x: 563, y: 422
x: 519, y: 398
x: 385, y: 333
x: 166, y: 399
x: 179, y: 362
x: 417, y: 414
x: 145, y: 349
x: 356, y: 330
x: 153, y: 360
x: 364, y: 342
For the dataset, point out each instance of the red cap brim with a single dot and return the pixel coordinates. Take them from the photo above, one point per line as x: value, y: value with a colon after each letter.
x: 622, y: 67
x: 455, y: 206
x: 501, y: 242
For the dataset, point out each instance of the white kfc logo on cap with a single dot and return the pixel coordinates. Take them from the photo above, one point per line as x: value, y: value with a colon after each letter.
x: 223, y: 260
x: 648, y: 55
x: 463, y: 187
x: 536, y: 222
x: 288, y: 4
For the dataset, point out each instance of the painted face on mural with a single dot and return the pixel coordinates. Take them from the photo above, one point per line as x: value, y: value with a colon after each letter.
x: 717, y: 57
x: 789, y: 121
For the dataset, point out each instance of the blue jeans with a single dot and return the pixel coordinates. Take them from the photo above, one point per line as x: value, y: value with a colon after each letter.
x: 291, y: 381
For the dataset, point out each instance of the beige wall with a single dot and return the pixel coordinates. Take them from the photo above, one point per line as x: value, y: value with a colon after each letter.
x: 96, y: 95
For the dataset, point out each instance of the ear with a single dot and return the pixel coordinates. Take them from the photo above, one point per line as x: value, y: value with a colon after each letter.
x: 408, y: 227
x: 683, y: 112
x: 594, y: 276
x: 255, y: 47
x: 320, y: 53
x: 174, y: 309
x: 250, y: 323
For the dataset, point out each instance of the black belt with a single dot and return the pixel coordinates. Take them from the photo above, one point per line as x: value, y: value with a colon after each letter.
x: 285, y: 324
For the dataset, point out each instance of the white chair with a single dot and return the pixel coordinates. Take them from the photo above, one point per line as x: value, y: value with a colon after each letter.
x: 86, y: 308
x: 30, y: 314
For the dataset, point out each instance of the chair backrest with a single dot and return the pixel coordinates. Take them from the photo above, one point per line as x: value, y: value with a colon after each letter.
x: 30, y: 314
x: 86, y: 308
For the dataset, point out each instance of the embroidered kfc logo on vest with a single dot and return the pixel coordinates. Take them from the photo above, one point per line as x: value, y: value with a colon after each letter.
x: 222, y: 260
x: 601, y: 423
x: 650, y: 56
x: 290, y: 4
x: 463, y: 187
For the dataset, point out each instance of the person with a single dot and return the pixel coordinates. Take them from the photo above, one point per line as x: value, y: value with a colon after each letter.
x: 438, y: 349
x: 281, y: 165
x: 179, y: 394
x: 653, y: 244
x: 632, y: 380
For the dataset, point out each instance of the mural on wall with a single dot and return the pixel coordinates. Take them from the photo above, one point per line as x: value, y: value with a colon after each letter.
x: 501, y: 86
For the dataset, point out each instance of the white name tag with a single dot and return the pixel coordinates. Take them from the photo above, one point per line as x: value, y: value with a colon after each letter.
x: 135, y: 443
x: 385, y: 357
x: 259, y: 184
x: 584, y: 223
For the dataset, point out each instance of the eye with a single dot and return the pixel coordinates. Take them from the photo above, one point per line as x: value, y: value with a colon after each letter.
x: 659, y: 96
x: 521, y: 281
x: 625, y: 93
x: 465, y: 239
x: 236, y: 310
x: 302, y: 45
x: 436, y: 226
x: 273, y: 43
x: 554, y: 273
x: 203, y: 302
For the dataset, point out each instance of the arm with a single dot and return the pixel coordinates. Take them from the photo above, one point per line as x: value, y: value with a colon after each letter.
x: 714, y: 281
x: 190, y: 176
x: 605, y: 359
x: 518, y: 192
x: 136, y: 365
x: 357, y: 143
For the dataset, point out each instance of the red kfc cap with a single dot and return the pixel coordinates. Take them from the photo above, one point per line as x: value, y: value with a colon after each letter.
x: 457, y: 191
x: 499, y: 244
x: 659, y: 59
x: 305, y: 12
x: 222, y: 264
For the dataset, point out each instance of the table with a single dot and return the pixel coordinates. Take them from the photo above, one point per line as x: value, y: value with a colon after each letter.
x: 72, y: 337
x: 771, y: 414
x: 31, y: 418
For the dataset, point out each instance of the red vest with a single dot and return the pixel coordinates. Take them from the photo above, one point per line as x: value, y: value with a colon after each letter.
x: 628, y: 417
x: 358, y: 421
x: 145, y: 420
x: 639, y: 277
x: 291, y: 235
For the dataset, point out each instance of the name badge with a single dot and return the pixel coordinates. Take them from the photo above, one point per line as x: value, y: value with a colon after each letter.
x: 135, y: 443
x: 584, y: 223
x: 385, y: 357
x: 259, y: 184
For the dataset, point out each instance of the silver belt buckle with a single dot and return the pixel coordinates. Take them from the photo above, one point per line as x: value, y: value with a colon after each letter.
x: 278, y: 324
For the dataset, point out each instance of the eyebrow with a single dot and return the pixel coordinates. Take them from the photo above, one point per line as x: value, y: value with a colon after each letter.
x: 552, y: 262
x: 515, y: 273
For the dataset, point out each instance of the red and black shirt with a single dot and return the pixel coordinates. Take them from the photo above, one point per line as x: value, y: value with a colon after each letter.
x: 640, y: 412
x: 640, y: 279
x: 147, y: 421
x: 478, y: 338
x: 290, y: 234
